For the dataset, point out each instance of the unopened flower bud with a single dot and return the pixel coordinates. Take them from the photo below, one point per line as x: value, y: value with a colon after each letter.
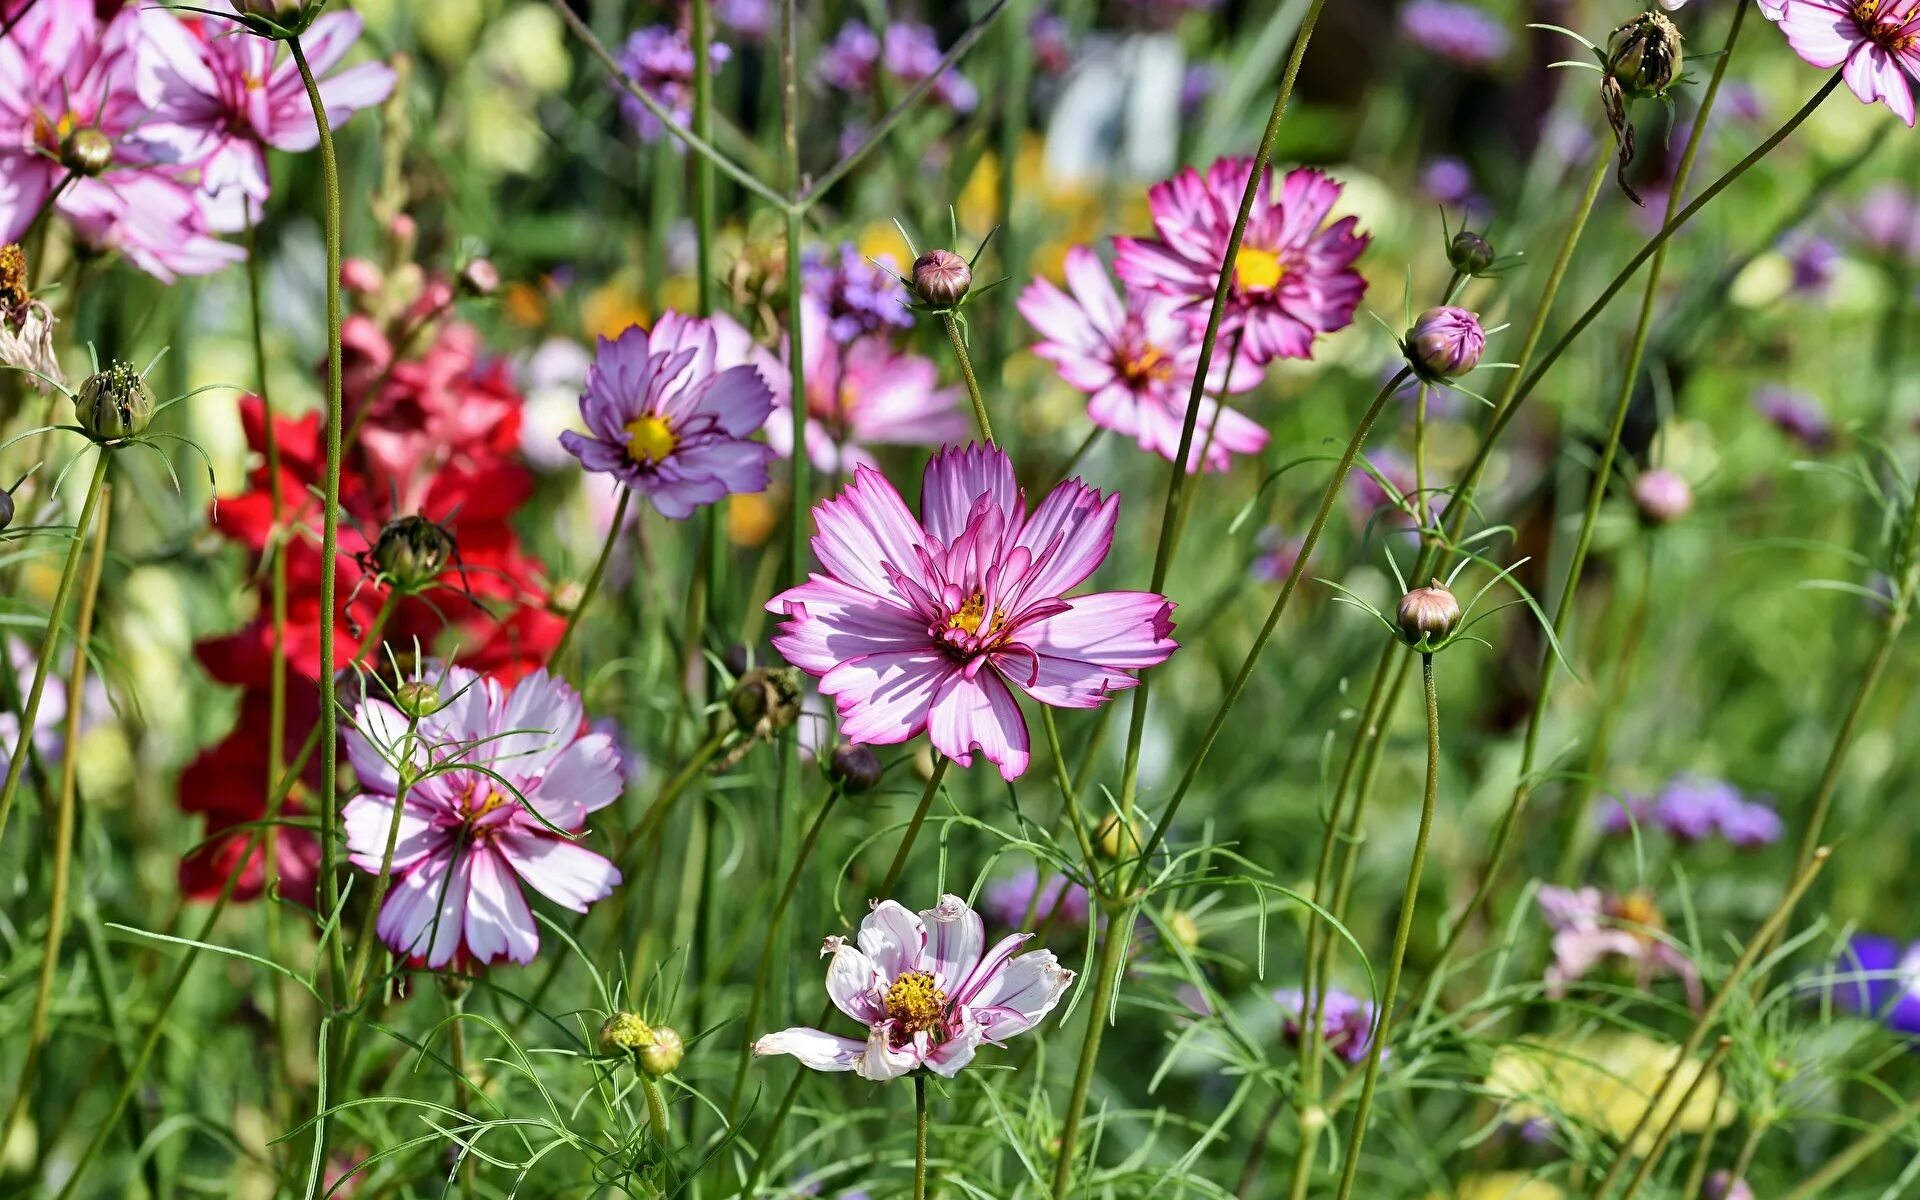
x: 941, y: 278
x: 1428, y: 615
x: 417, y: 698
x: 662, y: 1053
x: 86, y: 152
x: 1662, y: 497
x: 412, y: 551
x: 855, y: 768
x: 480, y: 278
x: 766, y: 699
x: 114, y: 403
x: 1184, y: 929
x: 1115, y: 839
x: 624, y: 1033
x: 1721, y: 1185
x: 275, y: 18
x: 361, y: 277
x: 1445, y: 342
x: 1644, y: 55
x: 1470, y: 253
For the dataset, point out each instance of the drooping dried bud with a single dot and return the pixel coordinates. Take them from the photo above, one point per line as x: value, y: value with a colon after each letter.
x: 1662, y: 497
x: 86, y: 152
x: 625, y: 1033
x: 412, y: 551
x: 941, y: 278
x: 1645, y: 55
x: 1445, y: 342
x: 480, y: 278
x: 113, y: 404
x: 1427, y: 615
x: 1116, y: 840
x: 766, y: 699
x: 417, y: 698
x: 855, y: 768
x: 1470, y: 253
x: 662, y: 1053
x: 13, y: 284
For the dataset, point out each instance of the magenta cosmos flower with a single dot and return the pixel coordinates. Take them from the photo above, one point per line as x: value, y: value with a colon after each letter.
x: 219, y: 98
x: 1135, y: 361
x: 466, y: 842
x: 923, y: 624
x: 1294, y: 279
x: 668, y: 416
x: 1591, y: 929
x: 928, y: 990
x: 1876, y: 42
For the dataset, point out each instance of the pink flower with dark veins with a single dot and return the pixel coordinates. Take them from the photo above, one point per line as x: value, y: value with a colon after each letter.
x: 1294, y: 278
x: 1135, y: 358
x: 1876, y: 43
x: 931, y: 624
x: 928, y: 990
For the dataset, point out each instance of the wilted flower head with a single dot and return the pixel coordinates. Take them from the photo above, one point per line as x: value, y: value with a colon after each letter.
x: 1591, y: 928
x: 922, y: 625
x: 856, y: 769
x: 1799, y: 415
x: 928, y: 990
x: 114, y: 403
x: 1346, y: 1027
x: 1644, y: 55
x: 1445, y: 342
x: 1875, y: 41
x: 660, y: 60
x: 1294, y: 278
x: 411, y: 551
x: 1463, y: 34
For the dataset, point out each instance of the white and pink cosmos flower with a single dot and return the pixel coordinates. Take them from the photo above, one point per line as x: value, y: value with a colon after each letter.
x: 1876, y: 43
x: 218, y: 97
x: 928, y: 990
x: 1135, y: 357
x: 1294, y: 279
x: 932, y: 624
x: 466, y: 842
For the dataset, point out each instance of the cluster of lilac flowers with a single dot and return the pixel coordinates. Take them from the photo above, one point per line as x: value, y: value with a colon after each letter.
x: 148, y: 133
x: 1692, y: 808
x: 857, y: 295
x: 906, y: 53
x: 660, y: 60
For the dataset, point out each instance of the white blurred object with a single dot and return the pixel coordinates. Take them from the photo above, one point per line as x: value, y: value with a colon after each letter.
x: 1118, y: 116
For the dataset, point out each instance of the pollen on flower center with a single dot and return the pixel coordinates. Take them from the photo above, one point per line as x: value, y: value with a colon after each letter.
x: 650, y: 439
x: 483, y: 798
x: 915, y: 1003
x: 1258, y: 270
x: 972, y: 614
x: 1148, y: 365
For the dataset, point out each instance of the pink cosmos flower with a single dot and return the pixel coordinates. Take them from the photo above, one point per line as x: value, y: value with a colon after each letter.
x: 929, y: 992
x: 1294, y: 279
x: 1135, y: 360
x: 66, y: 74
x: 923, y: 624
x: 1590, y: 928
x: 863, y: 392
x: 1877, y: 42
x: 670, y: 419
x: 466, y: 842
x: 218, y: 98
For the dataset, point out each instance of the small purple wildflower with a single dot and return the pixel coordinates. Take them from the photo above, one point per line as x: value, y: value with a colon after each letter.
x: 1813, y: 260
x: 1691, y: 807
x: 1460, y: 33
x: 1347, y: 1026
x: 1278, y: 554
x: 660, y: 59
x: 1797, y: 414
x: 1879, y: 977
x: 860, y: 297
x: 1751, y: 825
x: 1619, y: 817
x: 748, y: 18
x: 1060, y: 901
x: 1886, y: 222
x: 1448, y: 182
x: 908, y: 51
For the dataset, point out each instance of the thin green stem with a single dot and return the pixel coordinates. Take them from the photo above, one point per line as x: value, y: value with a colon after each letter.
x: 703, y: 211
x: 656, y: 1108
x: 797, y: 461
x: 1672, y: 1124
x: 1409, y: 901
x: 363, y: 944
x: 959, y: 345
x: 1105, y: 979
x: 919, y: 1135
x: 43, y: 669
x: 592, y: 585
x: 1838, y: 1166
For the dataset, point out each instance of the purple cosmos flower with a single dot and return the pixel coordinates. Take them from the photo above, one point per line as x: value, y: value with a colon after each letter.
x: 1278, y: 554
x: 1878, y: 44
x: 1814, y: 261
x: 857, y: 296
x: 669, y: 416
x: 1462, y: 34
x: 1879, y: 977
x: 863, y: 393
x: 1135, y: 359
x: 219, y: 99
x: 660, y: 59
x: 929, y: 992
x: 922, y: 624
x: 1059, y: 902
x: 1294, y: 279
x: 1886, y: 222
x: 1799, y: 415
x: 1197, y: 87
x: 1448, y: 181
x: 1590, y: 929
x: 1751, y: 825
x: 467, y: 843
x: 1692, y: 807
x: 908, y: 51
x: 1347, y: 1026
x: 65, y: 75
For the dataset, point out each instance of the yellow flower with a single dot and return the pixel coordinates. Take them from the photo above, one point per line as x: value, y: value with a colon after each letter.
x: 610, y: 310
x: 1505, y: 1185
x: 1604, y: 1081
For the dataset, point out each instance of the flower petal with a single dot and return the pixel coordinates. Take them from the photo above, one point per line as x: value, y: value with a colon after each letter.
x: 979, y: 714
x: 499, y: 924
x: 570, y: 875
x: 955, y: 938
x: 894, y: 938
x: 813, y: 1047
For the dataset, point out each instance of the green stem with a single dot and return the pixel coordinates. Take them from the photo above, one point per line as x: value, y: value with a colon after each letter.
x: 919, y: 1135
x: 650, y: 824
x: 1409, y: 900
x: 796, y: 354
x: 43, y: 669
x: 959, y: 345
x: 1105, y: 979
x: 593, y: 579
x: 363, y: 944
x: 1839, y: 1165
x: 63, y: 827
x: 656, y: 1108
x: 1672, y: 1124
x: 703, y: 213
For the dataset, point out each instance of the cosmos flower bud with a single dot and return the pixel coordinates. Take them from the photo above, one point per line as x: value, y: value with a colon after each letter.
x: 480, y: 278
x: 113, y: 404
x: 1470, y: 253
x: 1644, y: 55
x: 1662, y: 497
x: 1184, y: 929
x: 412, y: 551
x: 855, y: 768
x: 766, y: 699
x: 1116, y: 840
x: 941, y: 278
x: 1445, y: 342
x: 417, y: 698
x: 278, y: 18
x: 86, y: 152
x: 662, y: 1053
x: 1427, y: 615
x: 624, y: 1033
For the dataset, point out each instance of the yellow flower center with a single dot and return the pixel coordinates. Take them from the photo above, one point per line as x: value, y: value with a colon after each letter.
x: 484, y: 798
x: 650, y: 439
x: 973, y: 614
x: 1149, y: 364
x: 1258, y: 270
x: 914, y: 1002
